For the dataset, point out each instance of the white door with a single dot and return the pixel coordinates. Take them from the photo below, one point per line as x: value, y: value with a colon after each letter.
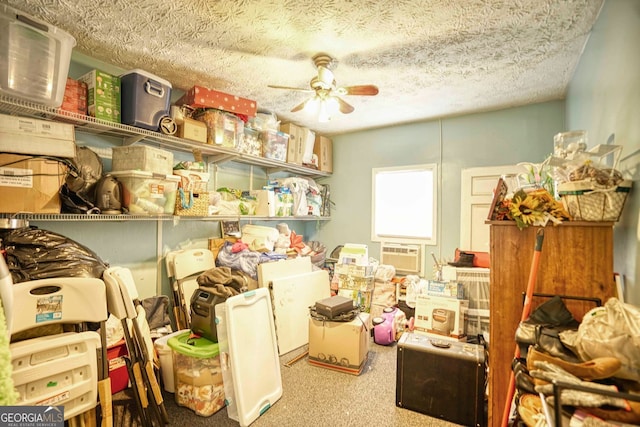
x: 477, y: 186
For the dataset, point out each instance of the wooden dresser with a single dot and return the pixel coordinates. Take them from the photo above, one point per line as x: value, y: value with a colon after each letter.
x: 576, y: 260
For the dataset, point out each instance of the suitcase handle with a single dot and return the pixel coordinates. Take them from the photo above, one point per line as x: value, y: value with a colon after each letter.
x: 440, y: 343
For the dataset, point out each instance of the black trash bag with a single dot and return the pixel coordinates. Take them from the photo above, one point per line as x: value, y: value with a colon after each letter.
x: 77, y: 194
x: 34, y: 254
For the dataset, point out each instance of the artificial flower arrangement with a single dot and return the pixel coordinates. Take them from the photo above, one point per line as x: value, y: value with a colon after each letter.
x: 532, y: 203
x: 534, y: 207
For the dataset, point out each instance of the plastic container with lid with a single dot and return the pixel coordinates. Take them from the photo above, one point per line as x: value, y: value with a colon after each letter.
x: 145, y: 99
x: 197, y: 374
x: 147, y: 192
x: 34, y: 58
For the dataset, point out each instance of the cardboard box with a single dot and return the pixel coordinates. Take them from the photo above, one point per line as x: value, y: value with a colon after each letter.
x: 103, y: 95
x: 294, y: 147
x: 440, y: 316
x: 75, y: 97
x: 30, y: 185
x: 22, y: 135
x: 323, y: 148
x: 194, y: 130
x: 202, y: 97
x: 265, y: 202
x: 340, y: 346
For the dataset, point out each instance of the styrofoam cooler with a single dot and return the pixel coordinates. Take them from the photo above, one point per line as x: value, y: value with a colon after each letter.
x: 166, y: 359
x: 145, y: 99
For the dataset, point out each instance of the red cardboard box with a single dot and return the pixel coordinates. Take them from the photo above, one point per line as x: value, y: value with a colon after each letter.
x: 202, y: 97
x: 75, y: 97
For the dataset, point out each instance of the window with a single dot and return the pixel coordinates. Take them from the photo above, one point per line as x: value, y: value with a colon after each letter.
x: 404, y: 204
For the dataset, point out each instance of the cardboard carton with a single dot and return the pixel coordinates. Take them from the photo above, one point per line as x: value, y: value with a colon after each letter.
x: 440, y: 316
x: 30, y: 184
x: 323, y: 148
x: 103, y: 95
x: 340, y: 346
x: 23, y: 135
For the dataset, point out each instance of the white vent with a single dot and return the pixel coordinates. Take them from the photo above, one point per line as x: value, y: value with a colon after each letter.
x: 407, y: 259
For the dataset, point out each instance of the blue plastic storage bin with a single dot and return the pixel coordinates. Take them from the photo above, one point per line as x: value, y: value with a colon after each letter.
x: 145, y: 99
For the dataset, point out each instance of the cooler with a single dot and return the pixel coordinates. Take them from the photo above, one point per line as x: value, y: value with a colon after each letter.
x: 197, y: 374
x: 118, y: 373
x: 145, y: 99
x: 441, y: 378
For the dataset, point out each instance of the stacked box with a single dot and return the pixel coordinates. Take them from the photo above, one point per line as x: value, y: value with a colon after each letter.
x: 30, y: 185
x: 75, y: 97
x: 323, y: 148
x: 194, y: 130
x: 202, y: 97
x: 103, y: 95
x: 143, y: 158
x: 25, y: 135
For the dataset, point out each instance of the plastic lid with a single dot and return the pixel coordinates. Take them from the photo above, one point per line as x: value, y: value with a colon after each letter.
x: 135, y: 173
x: 195, y: 347
x: 147, y: 75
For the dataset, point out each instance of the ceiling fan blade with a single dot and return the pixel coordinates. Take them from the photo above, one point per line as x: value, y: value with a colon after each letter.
x: 300, y: 89
x: 369, y: 90
x: 298, y: 107
x: 325, y: 75
x: 345, y: 108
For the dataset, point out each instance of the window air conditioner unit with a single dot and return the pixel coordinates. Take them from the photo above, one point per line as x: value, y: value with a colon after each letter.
x: 407, y: 259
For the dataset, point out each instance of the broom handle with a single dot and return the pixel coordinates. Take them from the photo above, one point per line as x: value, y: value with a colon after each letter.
x: 526, y: 310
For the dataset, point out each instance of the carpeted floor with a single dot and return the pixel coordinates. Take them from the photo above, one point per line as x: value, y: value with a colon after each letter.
x: 312, y: 396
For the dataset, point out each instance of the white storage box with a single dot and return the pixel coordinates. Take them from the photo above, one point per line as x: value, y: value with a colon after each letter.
x: 165, y: 356
x: 143, y: 158
x: 24, y: 135
x: 34, y: 58
x: 145, y: 99
x: 266, y: 235
x: 148, y: 193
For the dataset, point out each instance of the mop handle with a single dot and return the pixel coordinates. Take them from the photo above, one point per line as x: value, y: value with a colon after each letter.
x: 526, y: 310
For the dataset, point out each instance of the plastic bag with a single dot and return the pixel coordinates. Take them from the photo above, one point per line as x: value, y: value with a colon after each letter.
x: 34, y: 254
x: 612, y: 330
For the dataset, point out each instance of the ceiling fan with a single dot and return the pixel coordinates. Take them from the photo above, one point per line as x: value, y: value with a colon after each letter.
x: 327, y: 94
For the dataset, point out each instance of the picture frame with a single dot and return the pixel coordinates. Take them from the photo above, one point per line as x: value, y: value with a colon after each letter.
x: 230, y: 228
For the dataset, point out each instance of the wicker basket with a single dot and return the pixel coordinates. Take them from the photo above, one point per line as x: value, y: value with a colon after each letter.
x: 586, y: 201
x: 191, y: 204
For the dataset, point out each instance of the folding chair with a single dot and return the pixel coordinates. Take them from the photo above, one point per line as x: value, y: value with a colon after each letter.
x: 67, y: 369
x: 183, y: 268
x: 123, y: 302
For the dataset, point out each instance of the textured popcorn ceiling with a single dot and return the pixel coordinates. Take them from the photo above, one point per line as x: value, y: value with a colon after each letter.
x: 429, y: 58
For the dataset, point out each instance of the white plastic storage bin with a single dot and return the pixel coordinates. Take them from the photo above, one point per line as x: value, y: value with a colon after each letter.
x: 147, y: 192
x: 142, y: 157
x: 145, y: 99
x: 166, y: 359
x: 34, y: 58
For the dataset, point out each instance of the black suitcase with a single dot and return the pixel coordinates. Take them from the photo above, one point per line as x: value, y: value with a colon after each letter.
x: 441, y: 378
